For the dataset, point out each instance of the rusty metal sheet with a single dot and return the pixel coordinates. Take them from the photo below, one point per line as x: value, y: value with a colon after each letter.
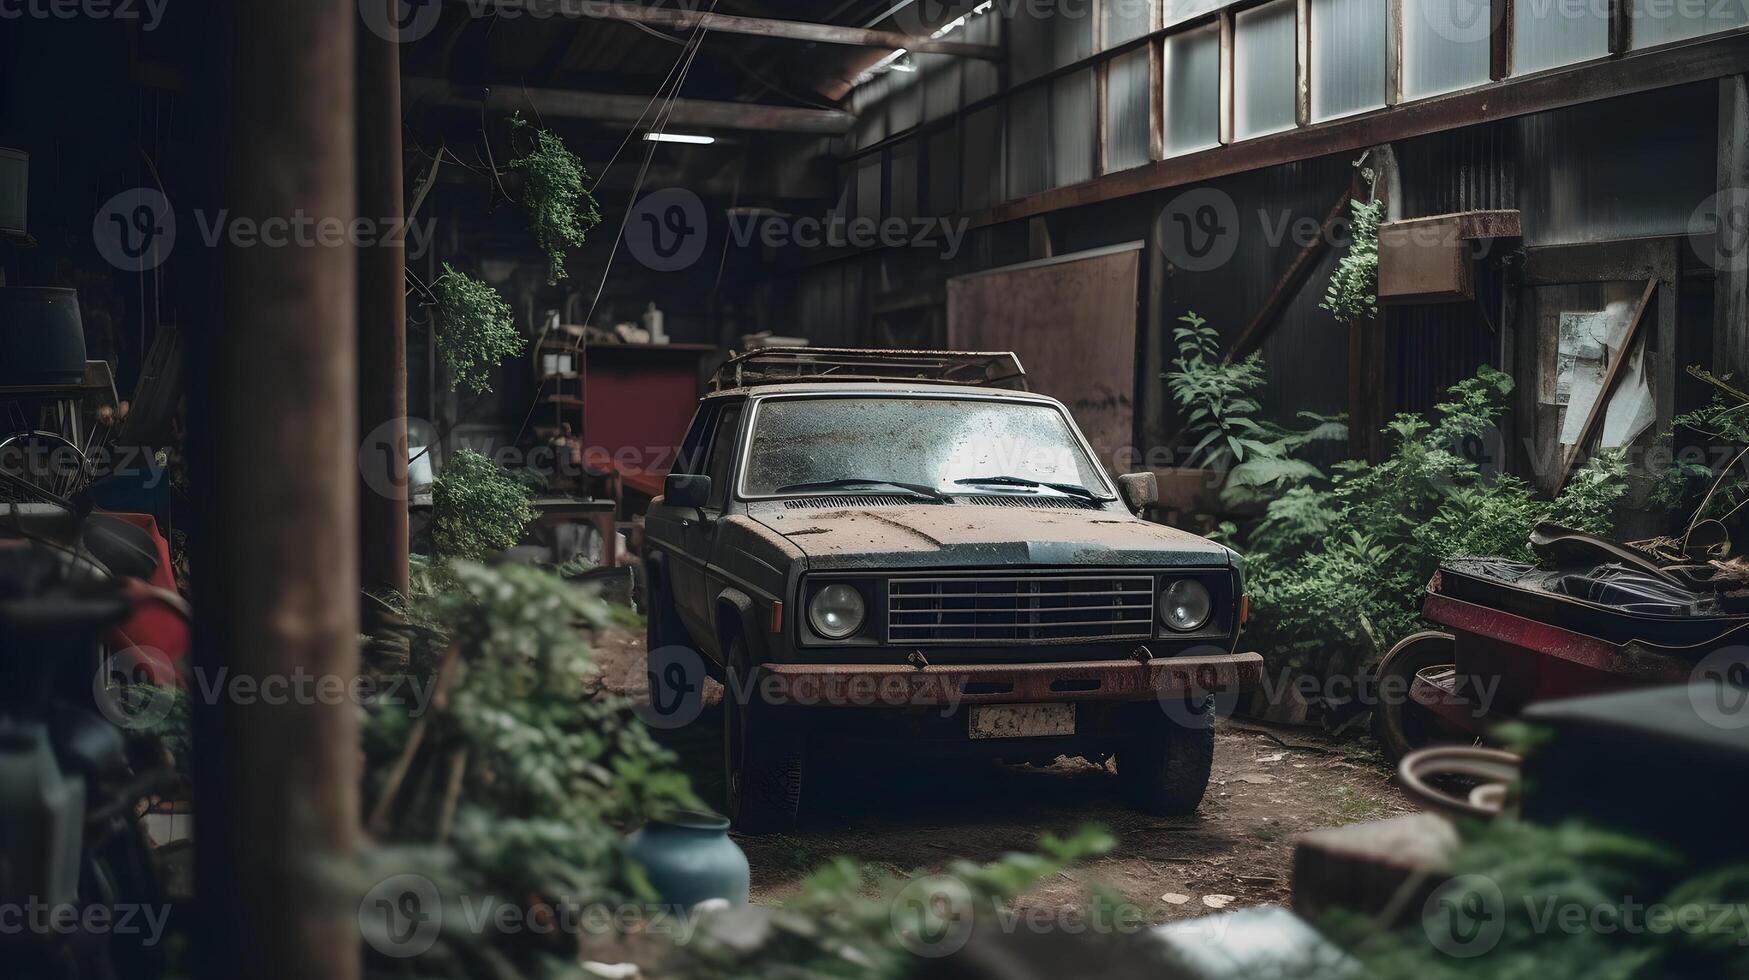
x: 1072, y: 321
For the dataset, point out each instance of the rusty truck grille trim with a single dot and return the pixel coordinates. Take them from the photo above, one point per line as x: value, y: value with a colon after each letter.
x: 971, y: 609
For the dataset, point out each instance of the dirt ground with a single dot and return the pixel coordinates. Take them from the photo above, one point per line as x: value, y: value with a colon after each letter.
x: 913, y: 815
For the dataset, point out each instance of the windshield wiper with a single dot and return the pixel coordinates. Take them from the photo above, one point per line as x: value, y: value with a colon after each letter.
x: 1072, y: 489
x: 859, y: 482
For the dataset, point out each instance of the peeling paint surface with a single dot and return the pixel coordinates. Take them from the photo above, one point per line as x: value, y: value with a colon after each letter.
x: 945, y: 535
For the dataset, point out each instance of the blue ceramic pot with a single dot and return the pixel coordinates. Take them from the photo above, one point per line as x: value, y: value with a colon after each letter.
x: 689, y: 857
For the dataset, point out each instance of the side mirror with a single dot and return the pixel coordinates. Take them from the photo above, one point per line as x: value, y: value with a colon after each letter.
x: 687, y: 489
x: 1139, y: 490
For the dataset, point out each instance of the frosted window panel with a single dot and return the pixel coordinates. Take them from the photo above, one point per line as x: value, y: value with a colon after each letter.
x: 1263, y: 76
x: 1128, y: 86
x: 1445, y: 45
x: 982, y: 152
x: 868, y: 101
x: 904, y: 101
x: 1662, y: 21
x: 982, y: 77
x: 1193, y: 90
x: 1071, y: 31
x: 1348, y: 56
x: 1552, y: 33
x: 1029, y: 114
x: 1074, y: 128
x: 1126, y: 20
x: 941, y: 85
x: 1030, y: 46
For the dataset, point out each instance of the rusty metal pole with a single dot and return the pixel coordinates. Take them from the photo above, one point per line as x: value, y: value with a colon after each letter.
x: 280, y: 599
x: 382, y: 317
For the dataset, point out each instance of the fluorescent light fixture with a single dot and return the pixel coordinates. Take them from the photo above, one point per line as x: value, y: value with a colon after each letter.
x: 680, y: 138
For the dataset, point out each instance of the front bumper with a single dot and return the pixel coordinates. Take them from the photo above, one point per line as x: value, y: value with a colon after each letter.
x: 901, y: 685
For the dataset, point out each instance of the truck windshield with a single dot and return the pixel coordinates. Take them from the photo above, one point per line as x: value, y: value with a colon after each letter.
x: 949, y: 445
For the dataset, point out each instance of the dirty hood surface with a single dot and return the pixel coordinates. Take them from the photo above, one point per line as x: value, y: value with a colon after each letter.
x: 954, y: 535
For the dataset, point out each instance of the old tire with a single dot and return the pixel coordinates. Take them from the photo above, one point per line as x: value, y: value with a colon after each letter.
x: 1165, y: 767
x: 1400, y: 725
x: 762, y: 755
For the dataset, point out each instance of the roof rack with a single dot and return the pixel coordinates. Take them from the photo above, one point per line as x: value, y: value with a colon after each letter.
x: 797, y: 365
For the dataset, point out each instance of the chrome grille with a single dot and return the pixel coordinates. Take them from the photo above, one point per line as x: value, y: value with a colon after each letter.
x: 1019, y: 609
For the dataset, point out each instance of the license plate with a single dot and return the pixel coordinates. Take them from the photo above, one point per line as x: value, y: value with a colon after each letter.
x: 1021, y: 720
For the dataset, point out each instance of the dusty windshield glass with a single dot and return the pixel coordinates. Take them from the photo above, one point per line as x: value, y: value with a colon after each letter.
x: 927, y: 442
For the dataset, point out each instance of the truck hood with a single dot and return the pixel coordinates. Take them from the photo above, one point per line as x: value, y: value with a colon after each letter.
x: 961, y: 535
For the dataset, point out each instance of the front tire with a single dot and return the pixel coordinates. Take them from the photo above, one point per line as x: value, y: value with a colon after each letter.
x: 1165, y: 766
x: 762, y: 755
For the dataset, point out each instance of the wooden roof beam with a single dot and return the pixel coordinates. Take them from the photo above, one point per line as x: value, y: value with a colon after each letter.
x: 609, y: 108
x: 686, y: 20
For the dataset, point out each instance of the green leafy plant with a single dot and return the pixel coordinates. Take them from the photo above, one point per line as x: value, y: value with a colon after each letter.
x: 1336, y: 575
x: 501, y: 770
x: 1219, y: 399
x: 1682, y: 487
x: 515, y: 780
x: 853, y: 920
x: 476, y: 508
x: 1520, y: 874
x: 475, y: 329
x: 561, y: 209
x: 1353, y: 293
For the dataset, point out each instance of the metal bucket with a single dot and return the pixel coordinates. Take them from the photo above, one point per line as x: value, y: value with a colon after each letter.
x: 42, y: 339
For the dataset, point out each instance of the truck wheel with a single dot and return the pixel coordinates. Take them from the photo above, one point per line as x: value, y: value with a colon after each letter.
x: 762, y: 756
x: 1165, y: 767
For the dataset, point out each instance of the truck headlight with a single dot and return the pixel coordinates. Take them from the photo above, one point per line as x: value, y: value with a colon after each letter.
x: 836, y: 611
x: 1185, y: 605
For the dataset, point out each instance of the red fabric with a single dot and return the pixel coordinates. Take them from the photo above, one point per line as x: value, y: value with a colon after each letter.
x: 154, y: 638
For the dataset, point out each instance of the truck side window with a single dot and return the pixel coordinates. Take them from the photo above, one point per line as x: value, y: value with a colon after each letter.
x: 722, y: 453
x: 690, y: 457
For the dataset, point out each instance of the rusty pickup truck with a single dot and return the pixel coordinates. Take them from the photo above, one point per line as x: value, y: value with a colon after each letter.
x: 910, y: 547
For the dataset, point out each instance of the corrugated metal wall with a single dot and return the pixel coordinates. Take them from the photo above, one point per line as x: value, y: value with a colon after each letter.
x: 1626, y: 168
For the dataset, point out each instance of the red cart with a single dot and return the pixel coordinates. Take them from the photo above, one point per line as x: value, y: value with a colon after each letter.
x: 1603, y: 618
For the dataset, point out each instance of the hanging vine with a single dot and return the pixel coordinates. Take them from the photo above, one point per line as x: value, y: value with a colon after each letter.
x: 1353, y: 294
x: 475, y: 329
x: 561, y: 211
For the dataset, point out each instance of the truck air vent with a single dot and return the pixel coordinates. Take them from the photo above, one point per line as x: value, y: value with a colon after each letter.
x: 847, y: 501
x: 1025, y: 500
